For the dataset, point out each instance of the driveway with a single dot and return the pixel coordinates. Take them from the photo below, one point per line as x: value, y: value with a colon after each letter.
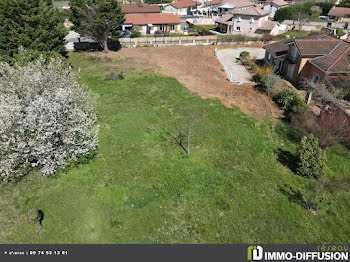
x: 235, y: 72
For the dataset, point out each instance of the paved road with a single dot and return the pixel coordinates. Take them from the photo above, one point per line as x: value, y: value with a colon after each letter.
x: 233, y: 69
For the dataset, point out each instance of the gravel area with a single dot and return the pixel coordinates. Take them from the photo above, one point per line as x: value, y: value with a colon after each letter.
x: 235, y: 72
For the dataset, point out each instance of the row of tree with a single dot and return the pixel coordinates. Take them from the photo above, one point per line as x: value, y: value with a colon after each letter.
x: 309, y: 9
x: 38, y: 27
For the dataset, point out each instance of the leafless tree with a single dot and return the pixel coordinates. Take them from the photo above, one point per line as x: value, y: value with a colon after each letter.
x: 185, y: 128
x: 330, y: 125
x: 300, y: 20
x: 328, y: 96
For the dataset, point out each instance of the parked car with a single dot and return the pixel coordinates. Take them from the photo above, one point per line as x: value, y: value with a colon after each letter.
x: 159, y: 32
x: 125, y: 34
x: 324, y: 17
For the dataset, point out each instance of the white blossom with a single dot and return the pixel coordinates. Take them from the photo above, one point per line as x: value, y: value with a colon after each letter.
x: 47, y: 118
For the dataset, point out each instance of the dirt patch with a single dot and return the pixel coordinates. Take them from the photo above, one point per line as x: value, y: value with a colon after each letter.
x: 200, y: 71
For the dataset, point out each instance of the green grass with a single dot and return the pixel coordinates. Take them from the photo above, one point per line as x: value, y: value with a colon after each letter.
x: 143, y: 188
x: 297, y: 33
x: 206, y: 27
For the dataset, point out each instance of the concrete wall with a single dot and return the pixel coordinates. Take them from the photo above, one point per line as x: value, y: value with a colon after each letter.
x: 164, y: 41
x: 180, y: 41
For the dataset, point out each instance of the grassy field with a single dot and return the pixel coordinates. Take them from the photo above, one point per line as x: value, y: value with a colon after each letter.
x: 297, y: 33
x: 143, y: 188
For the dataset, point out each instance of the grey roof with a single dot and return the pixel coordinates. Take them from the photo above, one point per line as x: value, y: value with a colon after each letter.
x: 278, y: 48
x: 223, y: 19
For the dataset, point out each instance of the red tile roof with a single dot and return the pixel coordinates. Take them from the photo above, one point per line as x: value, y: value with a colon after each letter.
x: 129, y: 9
x: 144, y: 19
x: 253, y: 11
x: 339, y: 11
x: 184, y: 3
x: 332, y: 55
x: 237, y: 3
x: 315, y: 46
x: 336, y: 61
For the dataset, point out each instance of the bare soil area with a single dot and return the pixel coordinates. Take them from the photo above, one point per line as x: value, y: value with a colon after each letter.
x: 200, y: 71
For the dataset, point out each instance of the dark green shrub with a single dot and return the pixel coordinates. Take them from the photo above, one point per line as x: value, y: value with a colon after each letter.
x: 311, y: 158
x: 290, y: 101
x: 287, y: 13
x: 244, y: 55
x: 340, y: 32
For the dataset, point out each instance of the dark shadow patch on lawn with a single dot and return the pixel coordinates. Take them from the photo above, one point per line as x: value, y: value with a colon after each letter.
x: 287, y: 159
x: 294, y: 196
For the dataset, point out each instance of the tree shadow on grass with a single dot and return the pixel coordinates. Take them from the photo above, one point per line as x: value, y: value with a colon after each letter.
x: 287, y: 159
x: 293, y: 195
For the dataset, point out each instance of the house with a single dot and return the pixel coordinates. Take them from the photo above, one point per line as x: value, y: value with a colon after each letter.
x: 140, y: 9
x: 276, y: 54
x: 339, y: 14
x: 182, y: 7
x: 274, y: 5
x: 149, y: 23
x: 249, y: 21
x: 320, y: 58
x: 222, y: 6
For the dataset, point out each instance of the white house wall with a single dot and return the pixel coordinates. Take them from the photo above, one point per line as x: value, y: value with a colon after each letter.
x: 143, y: 28
x: 246, y: 26
x: 272, y: 9
x: 171, y: 9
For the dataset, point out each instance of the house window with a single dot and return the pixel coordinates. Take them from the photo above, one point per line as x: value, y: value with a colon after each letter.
x: 239, y: 19
x: 252, y: 20
x: 162, y: 27
x: 238, y: 28
x: 315, y: 78
x: 172, y: 27
x: 280, y: 65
